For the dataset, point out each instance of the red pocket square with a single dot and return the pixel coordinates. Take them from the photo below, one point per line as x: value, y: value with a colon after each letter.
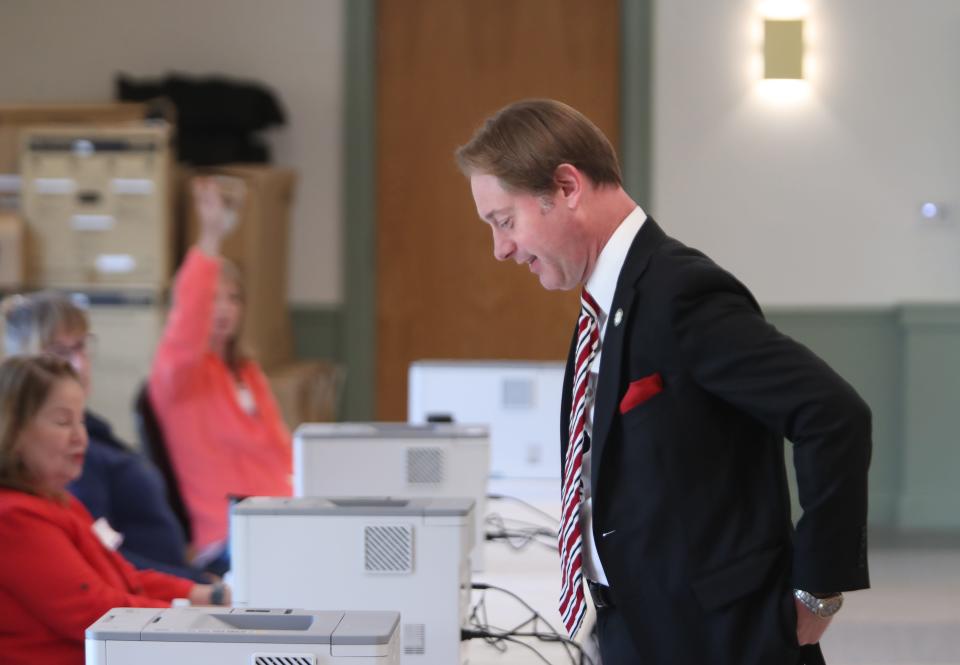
x: 640, y: 391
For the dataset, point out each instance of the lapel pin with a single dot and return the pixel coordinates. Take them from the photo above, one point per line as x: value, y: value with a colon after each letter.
x: 618, y: 317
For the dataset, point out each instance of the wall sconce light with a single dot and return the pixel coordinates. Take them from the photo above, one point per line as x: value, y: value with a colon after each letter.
x: 782, y: 48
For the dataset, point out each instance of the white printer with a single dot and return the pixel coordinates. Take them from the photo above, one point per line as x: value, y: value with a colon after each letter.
x: 518, y: 400
x: 395, y: 459
x: 408, y: 555
x: 244, y: 636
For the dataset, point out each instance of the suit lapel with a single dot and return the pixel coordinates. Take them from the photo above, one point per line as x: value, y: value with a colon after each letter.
x: 648, y: 238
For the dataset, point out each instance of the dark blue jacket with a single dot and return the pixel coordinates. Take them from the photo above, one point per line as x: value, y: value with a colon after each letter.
x: 122, y: 486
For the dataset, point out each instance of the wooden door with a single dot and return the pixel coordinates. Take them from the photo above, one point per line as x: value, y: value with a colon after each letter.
x: 443, y: 66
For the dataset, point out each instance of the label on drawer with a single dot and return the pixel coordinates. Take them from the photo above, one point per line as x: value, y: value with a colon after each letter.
x: 115, y: 263
x: 133, y: 186
x: 91, y: 222
x: 54, y: 185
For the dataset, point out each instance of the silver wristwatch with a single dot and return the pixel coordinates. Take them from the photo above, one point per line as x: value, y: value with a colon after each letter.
x: 822, y: 607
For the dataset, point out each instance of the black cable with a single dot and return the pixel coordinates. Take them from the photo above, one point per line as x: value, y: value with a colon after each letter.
x: 518, y: 538
x: 546, y: 637
x: 493, y: 638
x: 523, y: 535
x: 520, y: 533
x: 484, y: 624
x: 481, y: 606
x: 505, y: 497
x: 482, y: 586
x: 518, y: 522
x: 469, y: 634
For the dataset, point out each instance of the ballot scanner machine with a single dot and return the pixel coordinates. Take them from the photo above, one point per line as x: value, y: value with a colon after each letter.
x: 518, y: 400
x: 242, y: 636
x: 395, y: 459
x: 409, y: 555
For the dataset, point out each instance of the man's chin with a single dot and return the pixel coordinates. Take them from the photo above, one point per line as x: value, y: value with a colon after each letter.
x: 554, y: 284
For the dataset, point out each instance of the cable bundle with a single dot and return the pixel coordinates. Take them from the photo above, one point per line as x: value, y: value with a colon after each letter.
x: 517, y: 533
x: 480, y: 628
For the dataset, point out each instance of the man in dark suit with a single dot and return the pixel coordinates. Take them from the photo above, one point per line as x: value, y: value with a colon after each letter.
x: 677, y: 397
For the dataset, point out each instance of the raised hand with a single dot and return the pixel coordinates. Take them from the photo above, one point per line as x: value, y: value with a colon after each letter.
x: 215, y: 216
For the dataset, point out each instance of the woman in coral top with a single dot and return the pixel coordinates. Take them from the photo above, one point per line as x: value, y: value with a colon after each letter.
x: 58, y: 569
x: 222, y: 426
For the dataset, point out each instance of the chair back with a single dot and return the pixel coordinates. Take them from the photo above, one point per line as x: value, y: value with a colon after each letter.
x: 154, y: 445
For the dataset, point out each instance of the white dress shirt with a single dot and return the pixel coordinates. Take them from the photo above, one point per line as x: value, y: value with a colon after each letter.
x: 601, y: 285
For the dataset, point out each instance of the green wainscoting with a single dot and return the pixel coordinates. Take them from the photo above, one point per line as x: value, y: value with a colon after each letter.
x: 930, y: 454
x: 863, y: 346
x: 318, y: 332
x: 905, y: 362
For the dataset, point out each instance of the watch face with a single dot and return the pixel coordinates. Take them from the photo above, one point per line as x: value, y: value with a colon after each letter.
x: 827, y: 607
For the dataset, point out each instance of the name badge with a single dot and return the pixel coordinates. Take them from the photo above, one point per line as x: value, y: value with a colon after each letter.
x: 106, y: 534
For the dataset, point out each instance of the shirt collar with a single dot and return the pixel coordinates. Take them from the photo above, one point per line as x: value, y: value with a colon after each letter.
x: 603, y: 280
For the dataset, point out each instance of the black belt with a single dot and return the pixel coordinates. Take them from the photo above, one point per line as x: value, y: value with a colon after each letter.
x: 601, y: 594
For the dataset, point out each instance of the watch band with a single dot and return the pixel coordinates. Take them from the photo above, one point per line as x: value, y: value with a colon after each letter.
x: 217, y: 594
x: 824, y: 607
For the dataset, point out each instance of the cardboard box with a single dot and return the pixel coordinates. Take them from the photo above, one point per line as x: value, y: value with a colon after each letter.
x: 97, y: 204
x: 307, y: 392
x: 11, y: 251
x: 259, y: 247
x: 15, y: 117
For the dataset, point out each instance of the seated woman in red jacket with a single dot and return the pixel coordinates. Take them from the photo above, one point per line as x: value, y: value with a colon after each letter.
x: 118, y: 484
x: 222, y: 426
x: 58, y: 571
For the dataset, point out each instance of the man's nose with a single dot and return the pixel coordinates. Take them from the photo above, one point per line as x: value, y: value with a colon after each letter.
x: 503, y: 248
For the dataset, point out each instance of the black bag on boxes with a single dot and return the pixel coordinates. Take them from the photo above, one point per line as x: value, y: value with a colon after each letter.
x: 217, y: 117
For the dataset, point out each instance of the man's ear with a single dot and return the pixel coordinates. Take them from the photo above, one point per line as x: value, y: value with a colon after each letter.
x: 568, y: 182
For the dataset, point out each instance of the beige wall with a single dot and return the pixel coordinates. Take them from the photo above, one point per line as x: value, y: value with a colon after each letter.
x: 64, y: 50
x: 816, y: 201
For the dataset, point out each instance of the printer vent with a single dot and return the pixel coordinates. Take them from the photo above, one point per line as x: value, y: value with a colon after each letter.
x: 424, y: 466
x: 284, y: 659
x: 388, y: 549
x: 414, y: 639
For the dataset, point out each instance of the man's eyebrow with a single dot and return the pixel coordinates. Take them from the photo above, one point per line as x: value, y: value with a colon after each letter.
x: 499, y: 211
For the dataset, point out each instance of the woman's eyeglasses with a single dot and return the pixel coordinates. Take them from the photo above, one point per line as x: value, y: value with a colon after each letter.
x: 85, y: 346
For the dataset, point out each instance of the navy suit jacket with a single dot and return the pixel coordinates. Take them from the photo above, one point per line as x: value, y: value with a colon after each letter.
x: 691, y: 509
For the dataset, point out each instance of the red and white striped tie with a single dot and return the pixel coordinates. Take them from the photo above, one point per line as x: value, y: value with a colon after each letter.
x: 572, y: 604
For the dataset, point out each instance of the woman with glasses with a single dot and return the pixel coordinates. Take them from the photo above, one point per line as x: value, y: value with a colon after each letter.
x: 122, y: 490
x: 58, y: 571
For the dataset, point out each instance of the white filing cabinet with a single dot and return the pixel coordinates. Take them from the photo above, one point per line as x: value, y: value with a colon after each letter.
x: 128, y: 326
x: 97, y: 205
